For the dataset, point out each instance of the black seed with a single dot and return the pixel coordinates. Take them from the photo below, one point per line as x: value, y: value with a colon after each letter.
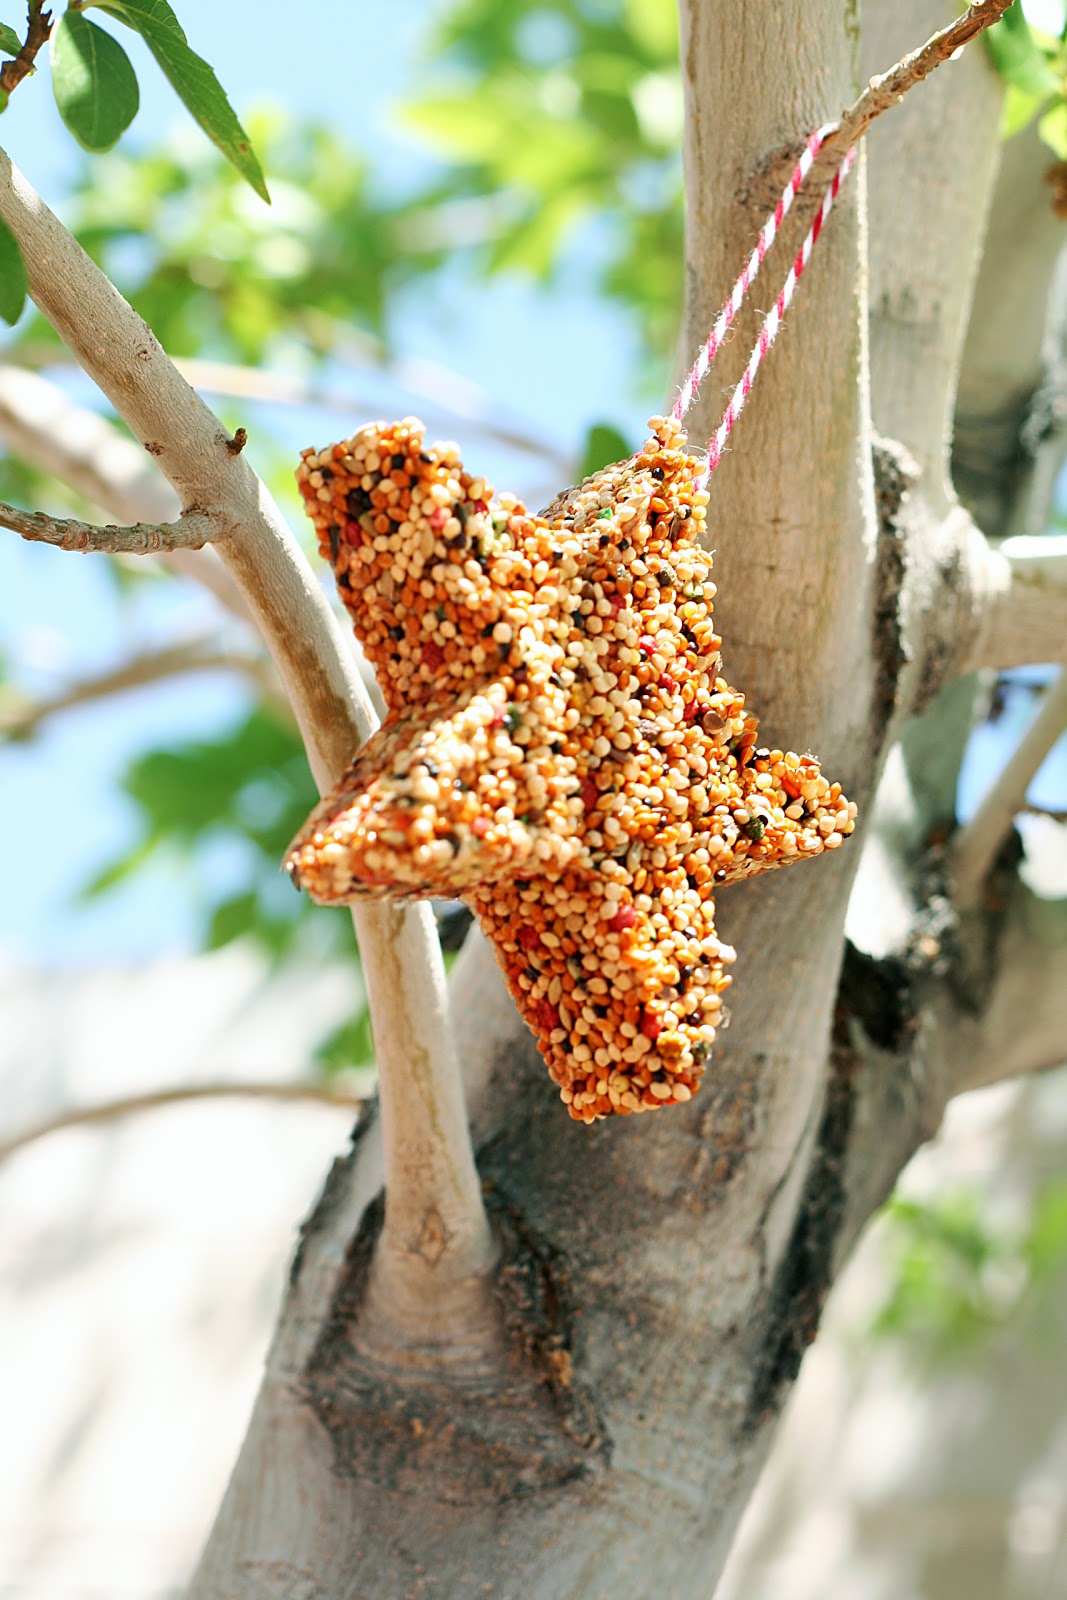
x: 357, y: 501
x: 396, y: 632
x: 658, y: 473
x: 335, y: 543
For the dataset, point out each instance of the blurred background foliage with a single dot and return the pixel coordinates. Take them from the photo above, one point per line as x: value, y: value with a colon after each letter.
x: 551, y: 132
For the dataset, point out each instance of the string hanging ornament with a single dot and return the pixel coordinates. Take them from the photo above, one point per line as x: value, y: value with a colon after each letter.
x: 562, y: 751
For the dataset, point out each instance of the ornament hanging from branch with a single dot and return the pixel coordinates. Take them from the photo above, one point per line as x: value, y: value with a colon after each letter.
x: 562, y: 750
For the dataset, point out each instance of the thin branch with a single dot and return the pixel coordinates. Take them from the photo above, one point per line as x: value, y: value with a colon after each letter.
x: 1024, y: 619
x: 976, y: 846
x: 458, y: 400
x: 455, y: 399
x: 22, y: 720
x: 889, y: 88
x: 84, y: 451
x: 988, y: 606
x: 190, y: 532
x: 39, y: 26
x: 179, y: 1094
x: 419, y: 1073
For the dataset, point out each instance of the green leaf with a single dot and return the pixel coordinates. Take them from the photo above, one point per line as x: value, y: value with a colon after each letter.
x: 232, y: 919
x: 12, y: 276
x: 192, y: 79
x: 10, y: 43
x: 350, y: 1045
x: 1017, y: 56
x: 603, y: 445
x: 1053, y: 130
x: 1020, y: 109
x: 94, y: 84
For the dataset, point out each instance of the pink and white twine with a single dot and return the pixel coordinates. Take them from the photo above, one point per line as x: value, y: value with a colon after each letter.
x: 773, y: 320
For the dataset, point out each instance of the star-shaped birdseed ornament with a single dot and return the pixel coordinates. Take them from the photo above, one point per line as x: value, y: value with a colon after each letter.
x: 562, y: 751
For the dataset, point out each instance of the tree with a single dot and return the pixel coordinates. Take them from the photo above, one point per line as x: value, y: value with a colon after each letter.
x: 551, y: 1362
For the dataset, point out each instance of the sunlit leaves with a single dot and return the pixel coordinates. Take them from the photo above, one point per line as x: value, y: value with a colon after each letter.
x: 94, y: 84
x: 239, y: 796
x: 1017, y: 55
x: 1034, y: 68
x: 567, y: 115
x: 10, y: 43
x: 956, y: 1273
x: 192, y: 79
x: 12, y: 276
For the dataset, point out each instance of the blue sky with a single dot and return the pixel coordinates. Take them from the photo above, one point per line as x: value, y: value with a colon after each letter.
x: 554, y: 361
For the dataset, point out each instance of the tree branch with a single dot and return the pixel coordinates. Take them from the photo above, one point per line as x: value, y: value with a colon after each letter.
x: 889, y: 88
x: 909, y: 1038
x: 401, y: 957
x: 83, y: 450
x: 996, y: 607
x: 39, y: 26
x: 22, y: 720
x: 977, y: 845
x: 191, y: 532
x: 178, y: 1094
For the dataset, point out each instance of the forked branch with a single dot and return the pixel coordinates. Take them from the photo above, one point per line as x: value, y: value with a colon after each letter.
x: 401, y: 958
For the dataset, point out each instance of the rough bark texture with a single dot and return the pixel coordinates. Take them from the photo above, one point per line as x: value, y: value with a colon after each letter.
x: 660, y: 1278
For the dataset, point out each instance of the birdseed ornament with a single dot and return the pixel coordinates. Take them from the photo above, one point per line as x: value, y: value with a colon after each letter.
x: 562, y: 751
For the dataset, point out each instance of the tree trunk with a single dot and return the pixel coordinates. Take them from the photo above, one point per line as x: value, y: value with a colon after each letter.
x: 659, y: 1278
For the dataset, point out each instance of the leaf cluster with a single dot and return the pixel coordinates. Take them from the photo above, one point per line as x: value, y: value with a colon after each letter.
x: 955, y: 1275
x: 97, y: 94
x: 238, y: 797
x: 564, y: 120
x: 1033, y: 65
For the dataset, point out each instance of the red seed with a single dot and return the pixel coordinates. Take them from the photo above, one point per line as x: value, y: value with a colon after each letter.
x: 480, y: 827
x: 546, y: 1014
x: 651, y: 1025
x: 432, y: 655
x: 590, y: 793
x: 438, y: 518
x: 668, y: 683
x: 625, y: 917
x: 646, y: 644
x: 353, y: 533
x: 529, y: 939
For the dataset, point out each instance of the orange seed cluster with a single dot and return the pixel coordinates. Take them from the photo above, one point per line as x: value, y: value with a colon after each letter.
x: 562, y: 751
